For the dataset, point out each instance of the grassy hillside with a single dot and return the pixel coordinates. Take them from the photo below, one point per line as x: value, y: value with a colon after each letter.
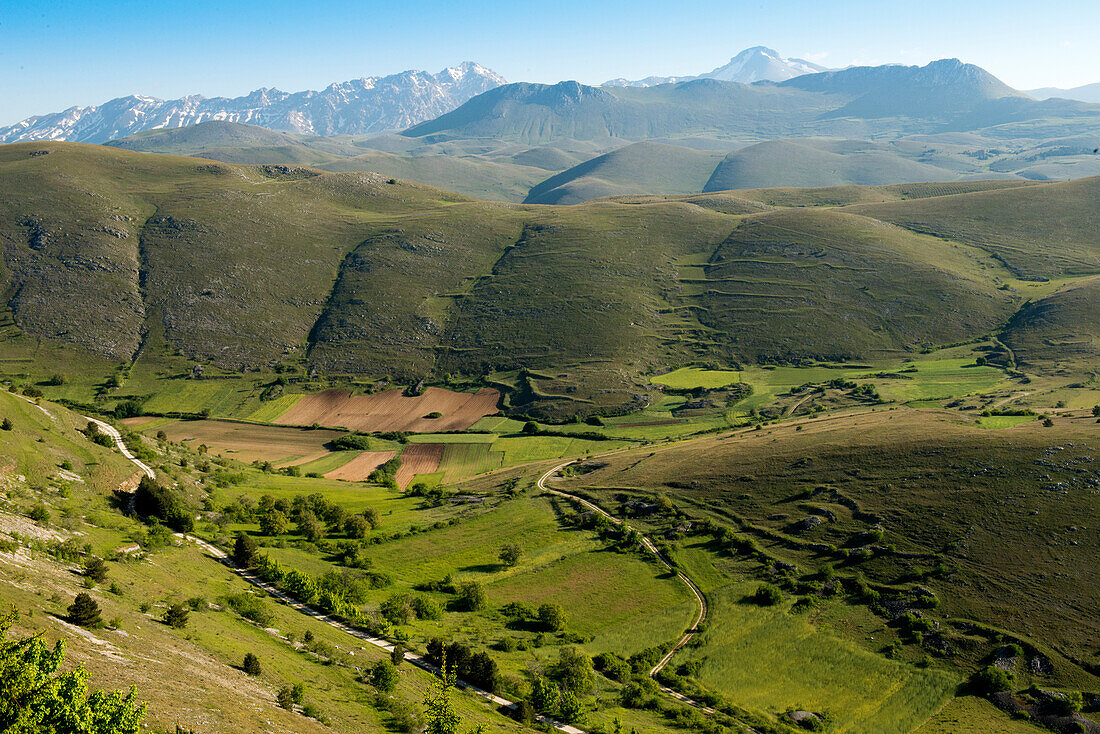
x: 894, y: 493
x: 642, y: 168
x: 495, y: 180
x: 1062, y: 327
x: 1005, y: 224
x: 163, y: 264
x: 819, y: 163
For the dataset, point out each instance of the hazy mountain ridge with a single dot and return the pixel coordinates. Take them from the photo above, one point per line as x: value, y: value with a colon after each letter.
x: 358, y: 106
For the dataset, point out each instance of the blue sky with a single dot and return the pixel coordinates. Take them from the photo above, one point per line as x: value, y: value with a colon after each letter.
x: 57, y: 54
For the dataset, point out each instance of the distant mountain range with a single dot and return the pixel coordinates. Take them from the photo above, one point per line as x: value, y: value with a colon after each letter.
x: 358, y: 107
x: 858, y: 102
x: 1086, y: 93
x: 755, y: 64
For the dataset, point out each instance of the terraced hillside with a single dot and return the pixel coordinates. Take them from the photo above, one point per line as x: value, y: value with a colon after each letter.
x: 176, y: 263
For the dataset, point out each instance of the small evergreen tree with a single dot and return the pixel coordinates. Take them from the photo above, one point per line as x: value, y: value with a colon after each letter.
x: 84, y: 611
x: 244, y: 550
x: 7, y: 425
x: 95, y: 569
x: 177, y: 615
x: 285, y: 697
x: 251, y: 664
x: 397, y: 654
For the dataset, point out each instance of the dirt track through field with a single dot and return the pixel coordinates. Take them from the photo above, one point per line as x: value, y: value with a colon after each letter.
x: 392, y: 411
x: 359, y: 468
x: 418, y: 458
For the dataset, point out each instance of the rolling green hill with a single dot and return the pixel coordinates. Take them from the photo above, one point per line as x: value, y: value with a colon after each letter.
x: 129, y: 256
x: 819, y: 163
x: 1063, y: 327
x: 641, y: 168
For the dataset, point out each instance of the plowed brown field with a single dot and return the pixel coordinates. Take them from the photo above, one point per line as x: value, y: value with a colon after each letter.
x: 392, y: 411
x: 418, y: 458
x: 359, y: 468
x: 249, y: 442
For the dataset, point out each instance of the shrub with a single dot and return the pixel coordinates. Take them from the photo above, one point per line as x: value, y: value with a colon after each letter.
x: 251, y: 664
x: 510, y: 554
x: 356, y: 527
x: 991, y: 679
x: 39, y: 514
x: 552, y: 617
x: 153, y: 500
x: 768, y: 595
x: 471, y: 596
x: 383, y: 676
x: 7, y: 425
x: 251, y: 607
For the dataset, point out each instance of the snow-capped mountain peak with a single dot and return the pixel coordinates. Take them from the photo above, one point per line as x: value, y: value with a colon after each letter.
x: 755, y: 64
x: 356, y: 107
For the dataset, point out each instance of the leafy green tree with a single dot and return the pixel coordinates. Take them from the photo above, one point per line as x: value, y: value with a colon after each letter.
x: 177, y: 616
x: 7, y: 425
x: 1096, y: 411
x: 274, y: 522
x: 298, y: 693
x: 356, y: 527
x: 530, y: 428
x: 244, y: 550
x: 383, y: 676
x: 471, y: 595
x: 440, y: 716
x: 251, y: 664
x: 544, y: 696
x: 397, y: 654
x: 569, y: 707
x: 84, y: 611
x: 552, y: 617
x: 310, y: 526
x: 510, y: 554
x: 397, y: 609
x: 35, y: 698
x: 574, y: 670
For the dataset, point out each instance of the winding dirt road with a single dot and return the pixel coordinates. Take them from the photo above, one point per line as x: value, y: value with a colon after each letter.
x: 648, y: 544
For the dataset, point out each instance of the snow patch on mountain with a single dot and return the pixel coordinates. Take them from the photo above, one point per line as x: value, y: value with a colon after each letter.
x: 755, y: 64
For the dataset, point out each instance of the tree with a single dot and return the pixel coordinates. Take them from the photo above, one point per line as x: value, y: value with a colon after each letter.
x: 397, y: 609
x: 34, y: 697
x: 397, y: 654
x: 177, y: 616
x: 356, y: 527
x: 440, y: 717
x: 298, y: 693
x: 7, y: 425
x: 1096, y: 411
x: 84, y: 611
x: 383, y: 676
x: 530, y: 428
x: 574, y: 670
x: 510, y: 554
x: 310, y: 526
x: 569, y: 707
x: 285, y: 697
x: 95, y: 569
x: 153, y: 500
x: 251, y: 664
x: 244, y: 550
x: 472, y: 596
x: 371, y: 515
x: 274, y: 522
x: 544, y: 696
x: 552, y: 617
